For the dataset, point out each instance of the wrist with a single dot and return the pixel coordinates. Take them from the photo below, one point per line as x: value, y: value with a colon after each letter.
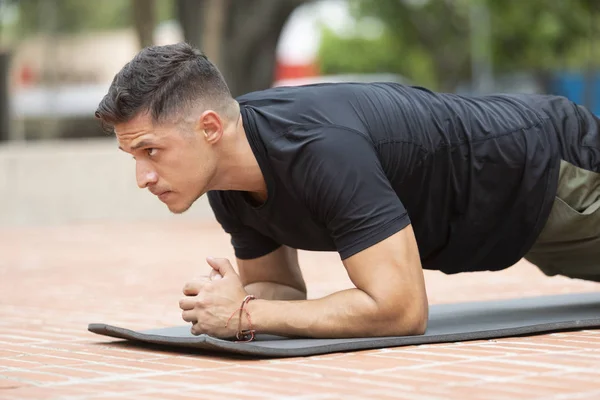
x: 242, y: 321
x: 256, y: 311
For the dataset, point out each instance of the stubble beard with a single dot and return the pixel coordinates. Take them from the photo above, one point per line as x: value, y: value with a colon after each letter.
x: 184, y: 208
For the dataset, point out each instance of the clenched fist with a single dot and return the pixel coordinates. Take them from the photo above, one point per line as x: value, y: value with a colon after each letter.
x: 210, y: 303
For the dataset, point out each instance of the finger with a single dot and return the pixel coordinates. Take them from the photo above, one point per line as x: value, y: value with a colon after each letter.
x: 196, y: 329
x: 187, y: 303
x: 192, y: 288
x: 215, y: 275
x: 200, y: 278
x: 189, y: 316
x: 221, y: 265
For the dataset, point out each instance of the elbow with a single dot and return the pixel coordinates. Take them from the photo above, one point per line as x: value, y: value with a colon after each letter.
x: 410, y: 320
x: 413, y: 320
x: 418, y: 325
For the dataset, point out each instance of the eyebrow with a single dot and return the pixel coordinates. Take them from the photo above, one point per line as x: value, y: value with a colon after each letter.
x: 139, y: 145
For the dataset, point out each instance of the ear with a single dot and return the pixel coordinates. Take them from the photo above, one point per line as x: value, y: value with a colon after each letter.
x: 210, y: 125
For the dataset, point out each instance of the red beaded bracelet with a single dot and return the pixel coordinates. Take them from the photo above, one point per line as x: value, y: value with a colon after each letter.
x: 243, y: 335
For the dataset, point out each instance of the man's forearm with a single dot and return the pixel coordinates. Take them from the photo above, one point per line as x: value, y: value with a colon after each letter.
x: 274, y: 291
x: 349, y: 313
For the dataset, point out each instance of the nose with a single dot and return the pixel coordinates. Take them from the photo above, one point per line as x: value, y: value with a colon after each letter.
x: 145, y: 175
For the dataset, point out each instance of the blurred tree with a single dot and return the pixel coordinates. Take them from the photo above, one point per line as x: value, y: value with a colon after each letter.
x: 239, y: 36
x: 78, y: 16
x: 75, y: 15
x: 144, y: 21
x: 387, y: 53
x: 430, y: 40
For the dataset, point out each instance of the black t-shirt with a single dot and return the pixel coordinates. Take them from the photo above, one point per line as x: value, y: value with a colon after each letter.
x: 348, y: 165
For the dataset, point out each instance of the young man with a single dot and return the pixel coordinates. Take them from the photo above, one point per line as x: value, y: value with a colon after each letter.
x: 393, y: 178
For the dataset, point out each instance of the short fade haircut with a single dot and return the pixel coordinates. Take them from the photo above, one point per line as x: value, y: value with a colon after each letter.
x: 163, y: 81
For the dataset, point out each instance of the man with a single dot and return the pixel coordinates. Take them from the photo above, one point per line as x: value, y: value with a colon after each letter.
x: 393, y: 178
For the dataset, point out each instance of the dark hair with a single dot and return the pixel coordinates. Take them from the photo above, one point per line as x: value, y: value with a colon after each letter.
x: 163, y: 80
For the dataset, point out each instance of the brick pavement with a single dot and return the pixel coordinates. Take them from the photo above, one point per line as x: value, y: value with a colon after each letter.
x: 55, y: 280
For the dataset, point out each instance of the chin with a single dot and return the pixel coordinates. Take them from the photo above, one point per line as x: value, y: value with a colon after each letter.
x: 179, y: 208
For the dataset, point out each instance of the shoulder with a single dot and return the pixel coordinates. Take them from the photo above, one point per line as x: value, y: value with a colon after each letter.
x: 320, y: 141
x: 312, y: 160
x: 321, y: 98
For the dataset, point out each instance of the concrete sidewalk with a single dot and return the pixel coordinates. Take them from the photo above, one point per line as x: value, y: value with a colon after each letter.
x: 73, y: 181
x: 56, y: 280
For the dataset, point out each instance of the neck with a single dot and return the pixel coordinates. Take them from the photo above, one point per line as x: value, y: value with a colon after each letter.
x: 238, y: 168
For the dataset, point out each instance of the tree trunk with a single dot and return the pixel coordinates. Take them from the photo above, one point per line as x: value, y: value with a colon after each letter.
x: 214, y: 26
x: 190, y: 14
x: 249, y: 33
x: 144, y: 21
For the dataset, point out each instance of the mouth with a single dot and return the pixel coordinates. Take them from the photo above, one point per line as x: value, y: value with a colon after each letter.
x: 164, y: 195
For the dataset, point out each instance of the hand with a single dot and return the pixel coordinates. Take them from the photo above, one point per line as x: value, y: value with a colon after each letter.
x: 210, y: 302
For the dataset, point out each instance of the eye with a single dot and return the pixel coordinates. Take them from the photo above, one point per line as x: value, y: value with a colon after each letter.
x: 151, y: 152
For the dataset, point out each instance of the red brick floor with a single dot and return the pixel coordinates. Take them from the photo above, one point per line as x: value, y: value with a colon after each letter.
x: 56, y: 280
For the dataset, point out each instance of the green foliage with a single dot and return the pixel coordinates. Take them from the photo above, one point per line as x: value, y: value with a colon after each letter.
x: 66, y: 16
x: 429, y: 41
x: 539, y: 35
x: 385, y: 54
x: 72, y: 16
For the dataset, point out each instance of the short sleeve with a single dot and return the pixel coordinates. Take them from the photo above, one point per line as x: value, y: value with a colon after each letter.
x: 338, y: 174
x: 247, y: 242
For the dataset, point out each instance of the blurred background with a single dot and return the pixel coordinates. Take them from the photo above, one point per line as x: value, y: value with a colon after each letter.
x: 58, y: 57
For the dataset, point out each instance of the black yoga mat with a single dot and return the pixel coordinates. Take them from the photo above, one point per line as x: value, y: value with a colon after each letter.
x: 447, y: 323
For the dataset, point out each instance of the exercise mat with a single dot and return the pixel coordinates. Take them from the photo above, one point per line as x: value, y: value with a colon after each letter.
x: 447, y: 323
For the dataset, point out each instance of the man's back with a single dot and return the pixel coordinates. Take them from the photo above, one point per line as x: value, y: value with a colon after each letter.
x: 476, y: 177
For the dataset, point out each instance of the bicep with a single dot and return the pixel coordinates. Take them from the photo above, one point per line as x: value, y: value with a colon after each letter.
x: 279, y: 266
x: 343, y: 183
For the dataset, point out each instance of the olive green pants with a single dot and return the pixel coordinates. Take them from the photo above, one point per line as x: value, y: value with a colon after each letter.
x: 569, y: 244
